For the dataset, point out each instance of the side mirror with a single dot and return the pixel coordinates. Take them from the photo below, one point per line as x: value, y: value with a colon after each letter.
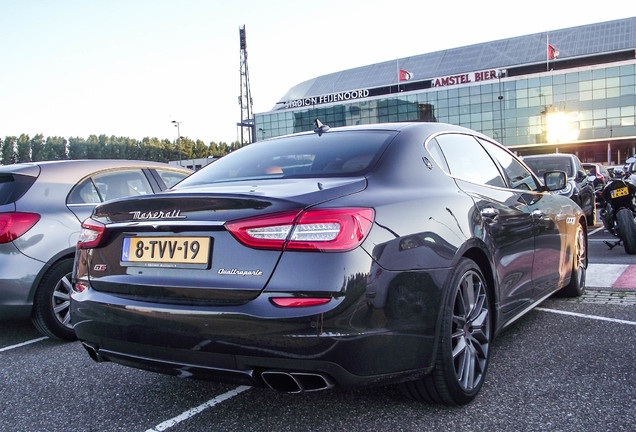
x: 581, y: 175
x: 555, y: 180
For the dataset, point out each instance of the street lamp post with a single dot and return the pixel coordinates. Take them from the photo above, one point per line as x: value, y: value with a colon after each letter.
x: 177, y: 123
x: 500, y: 74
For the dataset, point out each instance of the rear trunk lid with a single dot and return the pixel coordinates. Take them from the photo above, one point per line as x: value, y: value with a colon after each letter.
x: 173, y: 247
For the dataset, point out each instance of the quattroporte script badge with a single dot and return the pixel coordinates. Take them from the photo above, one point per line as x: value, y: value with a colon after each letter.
x: 237, y: 272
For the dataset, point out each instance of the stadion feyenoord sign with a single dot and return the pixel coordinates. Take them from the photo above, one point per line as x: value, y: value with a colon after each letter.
x: 328, y: 98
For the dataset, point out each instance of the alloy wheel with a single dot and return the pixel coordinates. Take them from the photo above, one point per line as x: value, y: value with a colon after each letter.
x: 61, y: 301
x: 470, y: 331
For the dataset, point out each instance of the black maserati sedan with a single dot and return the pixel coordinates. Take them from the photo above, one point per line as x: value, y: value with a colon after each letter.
x: 375, y: 254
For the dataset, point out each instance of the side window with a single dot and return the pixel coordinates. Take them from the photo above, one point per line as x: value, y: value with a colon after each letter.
x: 122, y: 183
x: 84, y: 193
x: 468, y: 160
x: 436, y: 152
x: 171, y: 178
x: 518, y: 176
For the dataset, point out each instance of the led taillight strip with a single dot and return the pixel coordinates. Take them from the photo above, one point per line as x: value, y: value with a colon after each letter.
x: 326, y: 230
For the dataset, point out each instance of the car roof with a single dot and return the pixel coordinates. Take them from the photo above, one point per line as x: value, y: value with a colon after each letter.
x: 429, y: 128
x: 84, y: 165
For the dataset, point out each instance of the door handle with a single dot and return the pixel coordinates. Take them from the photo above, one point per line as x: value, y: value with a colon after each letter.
x: 537, y: 214
x: 490, y: 213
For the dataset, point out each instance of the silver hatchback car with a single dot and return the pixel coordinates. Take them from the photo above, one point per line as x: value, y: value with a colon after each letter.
x: 42, y: 205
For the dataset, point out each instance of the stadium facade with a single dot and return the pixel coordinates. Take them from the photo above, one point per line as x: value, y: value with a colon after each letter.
x: 569, y: 90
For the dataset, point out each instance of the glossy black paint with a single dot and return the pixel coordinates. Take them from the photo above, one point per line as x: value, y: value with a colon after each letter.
x: 385, y: 295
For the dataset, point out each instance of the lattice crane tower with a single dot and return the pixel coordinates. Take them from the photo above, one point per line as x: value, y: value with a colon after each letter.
x: 245, y: 99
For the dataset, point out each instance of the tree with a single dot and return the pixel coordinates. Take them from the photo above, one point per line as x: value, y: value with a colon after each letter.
x: 186, y: 148
x: 200, y: 150
x: 37, y: 148
x: 23, y: 148
x: 77, y: 148
x: 92, y: 147
x: 55, y: 148
x: 7, y: 153
x: 223, y: 148
x: 214, y: 149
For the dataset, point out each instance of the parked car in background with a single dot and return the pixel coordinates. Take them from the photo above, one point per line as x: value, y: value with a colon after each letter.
x: 388, y: 253
x: 599, y: 172
x: 579, y: 187
x: 616, y: 171
x: 42, y: 205
x: 630, y: 168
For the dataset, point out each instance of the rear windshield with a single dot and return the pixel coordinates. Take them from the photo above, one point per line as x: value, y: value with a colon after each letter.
x: 333, y: 154
x: 13, y: 186
x: 559, y: 163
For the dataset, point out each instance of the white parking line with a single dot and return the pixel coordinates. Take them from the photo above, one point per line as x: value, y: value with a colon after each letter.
x: 187, y: 414
x: 22, y: 344
x: 594, y: 317
x: 595, y: 231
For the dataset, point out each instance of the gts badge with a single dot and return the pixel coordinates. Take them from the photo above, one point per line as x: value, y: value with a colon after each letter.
x: 570, y: 220
x: 100, y: 267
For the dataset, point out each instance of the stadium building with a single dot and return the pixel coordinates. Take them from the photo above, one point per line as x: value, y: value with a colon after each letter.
x: 570, y: 90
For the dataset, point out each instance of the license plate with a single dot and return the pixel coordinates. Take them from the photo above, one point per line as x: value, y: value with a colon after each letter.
x: 616, y: 193
x: 166, y: 250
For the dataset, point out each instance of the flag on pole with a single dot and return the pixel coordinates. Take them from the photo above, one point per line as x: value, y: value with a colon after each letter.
x: 404, y: 75
x: 552, y: 52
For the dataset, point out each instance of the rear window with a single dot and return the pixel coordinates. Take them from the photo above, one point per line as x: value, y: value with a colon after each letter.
x: 13, y: 186
x: 333, y: 154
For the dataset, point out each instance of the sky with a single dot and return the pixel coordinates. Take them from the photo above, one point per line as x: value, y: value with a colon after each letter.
x: 73, y: 68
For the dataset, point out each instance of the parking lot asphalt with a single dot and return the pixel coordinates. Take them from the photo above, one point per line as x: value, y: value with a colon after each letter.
x: 565, y: 366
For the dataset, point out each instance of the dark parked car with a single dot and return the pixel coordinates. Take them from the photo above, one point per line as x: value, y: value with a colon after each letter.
x: 344, y: 257
x: 599, y: 172
x: 579, y: 187
x: 42, y: 205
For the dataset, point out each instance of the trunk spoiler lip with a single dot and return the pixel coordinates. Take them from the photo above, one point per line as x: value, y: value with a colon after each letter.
x: 167, y: 223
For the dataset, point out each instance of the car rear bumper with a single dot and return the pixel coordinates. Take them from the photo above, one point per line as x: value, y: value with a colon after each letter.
x: 18, y: 273
x: 350, y: 341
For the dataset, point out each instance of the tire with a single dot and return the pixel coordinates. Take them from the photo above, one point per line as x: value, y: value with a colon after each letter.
x: 576, y: 287
x: 51, y: 305
x: 463, y: 344
x: 627, y: 229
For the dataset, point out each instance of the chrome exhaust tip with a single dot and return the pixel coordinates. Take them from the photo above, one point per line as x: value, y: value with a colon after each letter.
x: 296, y: 382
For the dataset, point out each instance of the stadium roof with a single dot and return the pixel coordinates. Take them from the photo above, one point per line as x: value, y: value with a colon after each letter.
x: 574, y: 42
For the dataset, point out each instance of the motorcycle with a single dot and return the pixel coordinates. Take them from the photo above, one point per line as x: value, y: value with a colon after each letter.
x: 618, y: 212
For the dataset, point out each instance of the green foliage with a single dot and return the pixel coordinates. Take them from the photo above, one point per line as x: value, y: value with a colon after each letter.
x: 7, y: 153
x: 24, y: 149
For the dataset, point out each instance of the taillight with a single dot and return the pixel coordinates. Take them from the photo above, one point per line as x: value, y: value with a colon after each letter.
x: 13, y: 225
x: 299, y: 301
x: 91, y: 234
x: 326, y: 230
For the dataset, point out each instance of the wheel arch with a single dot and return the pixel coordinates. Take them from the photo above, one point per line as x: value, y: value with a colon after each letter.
x: 67, y: 253
x: 481, y: 258
x: 476, y: 252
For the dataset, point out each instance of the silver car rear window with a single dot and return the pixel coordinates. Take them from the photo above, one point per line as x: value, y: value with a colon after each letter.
x: 13, y: 186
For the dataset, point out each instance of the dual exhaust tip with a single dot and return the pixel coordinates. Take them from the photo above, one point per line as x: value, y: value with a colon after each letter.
x: 296, y: 382
x: 282, y: 381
